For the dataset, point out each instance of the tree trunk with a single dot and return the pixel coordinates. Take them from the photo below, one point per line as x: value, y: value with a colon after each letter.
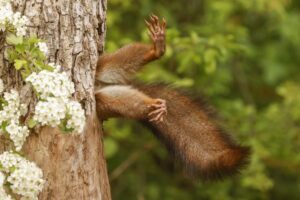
x: 73, y: 166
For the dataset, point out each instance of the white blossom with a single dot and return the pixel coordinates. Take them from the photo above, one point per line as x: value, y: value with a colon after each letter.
x: 54, y: 90
x: 43, y: 47
x: 2, y: 179
x: 17, y: 134
x: 11, y: 110
x: 6, y: 14
x: 50, y: 112
x: 54, y: 110
x: 3, y: 2
x: 3, y: 194
x: 25, y: 179
x: 19, y: 22
x: 10, y: 114
x: 8, y: 160
x: 77, y: 117
x: 48, y: 83
x: 8, y: 17
x: 56, y: 67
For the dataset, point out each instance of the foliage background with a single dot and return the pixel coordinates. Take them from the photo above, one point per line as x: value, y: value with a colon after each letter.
x: 244, y: 56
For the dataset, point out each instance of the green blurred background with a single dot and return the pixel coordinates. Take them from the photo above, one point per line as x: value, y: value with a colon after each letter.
x: 244, y: 56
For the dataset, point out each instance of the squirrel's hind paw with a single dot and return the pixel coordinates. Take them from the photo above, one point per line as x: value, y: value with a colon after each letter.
x: 159, y: 110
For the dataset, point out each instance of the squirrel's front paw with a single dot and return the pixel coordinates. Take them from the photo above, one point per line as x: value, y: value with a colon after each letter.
x: 159, y: 110
x: 157, y: 32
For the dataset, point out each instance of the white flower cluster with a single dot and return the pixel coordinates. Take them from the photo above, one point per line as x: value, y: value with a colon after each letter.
x: 26, y: 180
x: 56, y: 68
x: 43, y: 47
x: 54, y: 111
x: 77, y: 118
x: 11, y: 105
x: 9, y: 18
x: 54, y: 90
x: 3, y: 194
x: 50, y: 112
x: 11, y: 111
x: 6, y: 13
x: 17, y: 134
x: 53, y: 84
x: 23, y: 176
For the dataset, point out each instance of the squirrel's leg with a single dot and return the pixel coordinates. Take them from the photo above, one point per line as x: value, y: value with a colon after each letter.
x: 125, y: 101
x: 118, y: 67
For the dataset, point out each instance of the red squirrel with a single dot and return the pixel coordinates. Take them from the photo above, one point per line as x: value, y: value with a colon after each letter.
x: 183, y: 125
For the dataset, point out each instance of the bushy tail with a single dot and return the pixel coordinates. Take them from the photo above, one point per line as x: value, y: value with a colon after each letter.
x: 193, y: 137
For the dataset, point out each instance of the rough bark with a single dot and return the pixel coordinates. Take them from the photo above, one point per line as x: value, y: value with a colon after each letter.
x: 73, y: 166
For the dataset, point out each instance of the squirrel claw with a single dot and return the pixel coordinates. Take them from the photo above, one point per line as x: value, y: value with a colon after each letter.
x: 157, y: 33
x: 160, y: 110
x: 156, y: 29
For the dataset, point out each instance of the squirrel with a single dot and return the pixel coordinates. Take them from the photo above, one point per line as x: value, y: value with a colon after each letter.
x: 185, y: 126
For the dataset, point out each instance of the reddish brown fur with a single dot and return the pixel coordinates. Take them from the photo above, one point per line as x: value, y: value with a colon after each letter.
x: 119, y: 66
x: 188, y: 130
x: 122, y: 101
x: 194, y: 138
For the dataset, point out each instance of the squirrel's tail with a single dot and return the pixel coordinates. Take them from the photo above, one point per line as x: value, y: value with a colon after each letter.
x: 193, y: 137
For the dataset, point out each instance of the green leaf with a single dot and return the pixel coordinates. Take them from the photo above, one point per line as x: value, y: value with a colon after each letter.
x: 25, y: 74
x: 12, y: 169
x: 37, y: 54
x: 48, y: 68
x: 32, y: 123
x: 33, y: 40
x: 11, y: 55
x: 3, y: 126
x: 63, y: 125
x: 3, y: 103
x: 20, y: 48
x: 14, y: 40
x: 39, y: 65
x: 19, y: 64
